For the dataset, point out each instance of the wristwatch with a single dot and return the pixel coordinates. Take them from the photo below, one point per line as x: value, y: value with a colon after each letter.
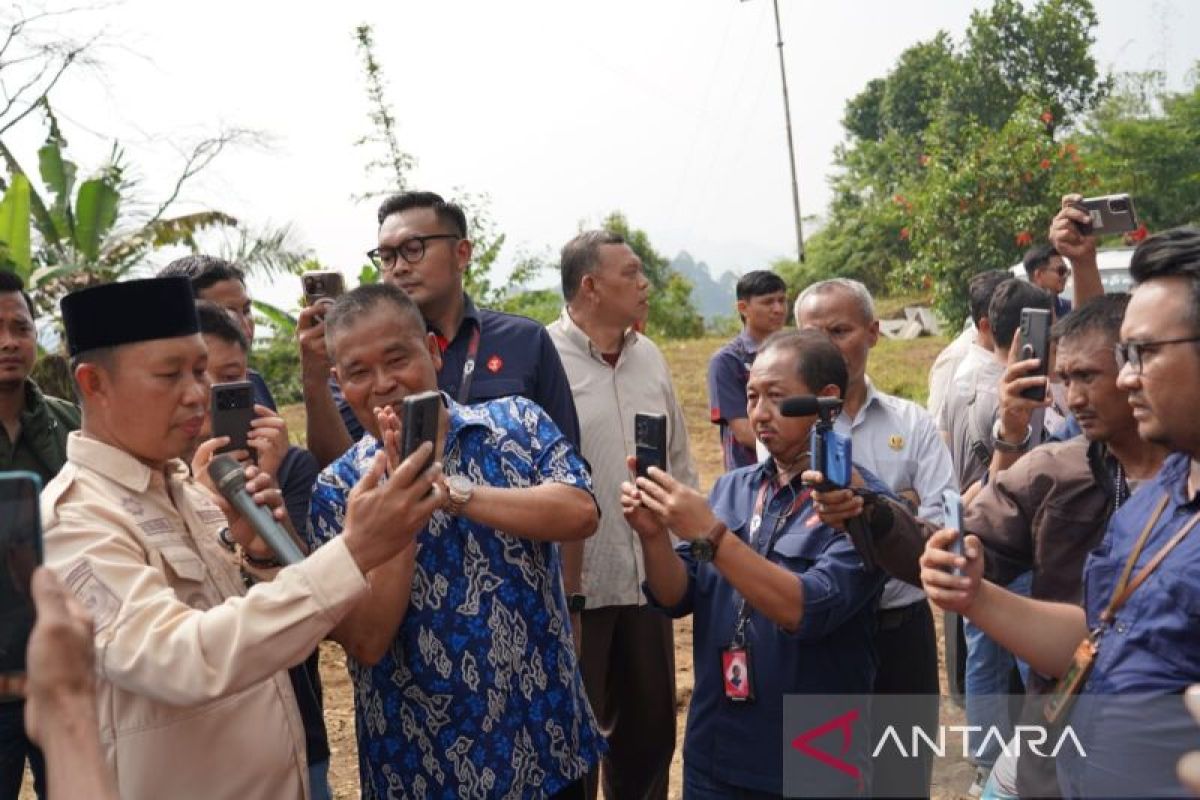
x: 576, y: 603
x: 460, y: 490
x: 1009, y: 447
x: 704, y: 548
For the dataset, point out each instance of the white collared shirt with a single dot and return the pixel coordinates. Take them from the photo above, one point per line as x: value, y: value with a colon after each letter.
x: 898, y: 441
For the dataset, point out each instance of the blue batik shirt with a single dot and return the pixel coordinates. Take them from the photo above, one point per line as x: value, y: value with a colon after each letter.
x: 479, y: 694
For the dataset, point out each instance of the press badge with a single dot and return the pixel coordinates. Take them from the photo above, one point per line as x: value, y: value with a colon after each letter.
x: 736, y: 674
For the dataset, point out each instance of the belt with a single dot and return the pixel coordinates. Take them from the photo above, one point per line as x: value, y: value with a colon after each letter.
x: 891, y: 618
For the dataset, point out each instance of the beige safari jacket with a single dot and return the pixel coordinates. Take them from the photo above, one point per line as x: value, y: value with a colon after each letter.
x: 193, y: 691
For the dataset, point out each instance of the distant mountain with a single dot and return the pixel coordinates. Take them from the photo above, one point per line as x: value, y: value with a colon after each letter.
x: 712, y: 298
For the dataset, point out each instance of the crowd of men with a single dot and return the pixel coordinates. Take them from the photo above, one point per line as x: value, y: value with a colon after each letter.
x: 505, y: 594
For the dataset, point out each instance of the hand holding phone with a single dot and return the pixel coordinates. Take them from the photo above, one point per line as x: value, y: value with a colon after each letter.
x: 1112, y: 213
x: 231, y: 414
x: 952, y: 512
x: 322, y: 285
x: 650, y: 442
x: 420, y: 425
x: 1034, y: 342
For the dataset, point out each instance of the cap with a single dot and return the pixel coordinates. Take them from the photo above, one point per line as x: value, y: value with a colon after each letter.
x: 128, y: 312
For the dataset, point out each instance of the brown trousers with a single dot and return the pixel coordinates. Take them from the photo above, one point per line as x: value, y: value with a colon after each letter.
x: 628, y: 664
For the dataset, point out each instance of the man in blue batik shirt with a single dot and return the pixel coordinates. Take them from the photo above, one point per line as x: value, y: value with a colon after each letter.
x: 465, y: 676
x: 759, y: 572
x: 1130, y: 718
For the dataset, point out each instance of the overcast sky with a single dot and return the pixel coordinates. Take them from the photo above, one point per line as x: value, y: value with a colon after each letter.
x: 561, y: 111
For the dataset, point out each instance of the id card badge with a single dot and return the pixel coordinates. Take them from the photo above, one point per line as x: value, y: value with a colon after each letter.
x: 737, y: 673
x: 1058, y: 705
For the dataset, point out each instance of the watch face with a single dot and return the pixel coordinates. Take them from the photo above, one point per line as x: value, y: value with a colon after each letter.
x: 460, y: 484
x: 702, y: 550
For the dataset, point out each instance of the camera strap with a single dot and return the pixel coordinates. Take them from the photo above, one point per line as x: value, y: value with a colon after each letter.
x: 1069, y: 686
x: 468, y: 373
x: 760, y: 500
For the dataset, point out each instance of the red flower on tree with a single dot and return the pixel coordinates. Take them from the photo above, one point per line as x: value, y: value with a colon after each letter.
x: 1024, y: 239
x: 924, y: 159
x: 1047, y: 117
x: 1138, y: 234
x: 904, y: 234
x: 1044, y: 163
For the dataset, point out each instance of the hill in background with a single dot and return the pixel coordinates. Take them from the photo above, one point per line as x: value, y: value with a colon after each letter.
x: 712, y: 298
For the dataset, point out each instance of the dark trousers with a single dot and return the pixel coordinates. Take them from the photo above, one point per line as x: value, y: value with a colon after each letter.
x: 907, y: 648
x: 15, y: 747
x: 628, y: 664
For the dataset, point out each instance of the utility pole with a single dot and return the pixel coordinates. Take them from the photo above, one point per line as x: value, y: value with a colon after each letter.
x: 787, y: 117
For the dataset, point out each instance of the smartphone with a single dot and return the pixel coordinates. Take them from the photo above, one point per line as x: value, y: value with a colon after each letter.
x: 1035, y: 343
x: 20, y: 554
x: 420, y: 424
x: 1112, y: 213
x: 322, y: 285
x: 952, y: 512
x: 232, y: 412
x: 650, y: 442
x: 831, y: 455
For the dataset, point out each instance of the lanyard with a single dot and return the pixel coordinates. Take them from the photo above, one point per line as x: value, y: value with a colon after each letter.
x: 743, y: 616
x: 1126, y: 587
x: 468, y: 373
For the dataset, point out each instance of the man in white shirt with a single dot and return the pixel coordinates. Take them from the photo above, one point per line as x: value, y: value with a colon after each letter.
x: 627, y: 655
x: 898, y: 441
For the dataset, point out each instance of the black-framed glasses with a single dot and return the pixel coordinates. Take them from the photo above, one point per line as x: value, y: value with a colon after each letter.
x: 412, y: 250
x: 1063, y: 271
x: 1131, y: 352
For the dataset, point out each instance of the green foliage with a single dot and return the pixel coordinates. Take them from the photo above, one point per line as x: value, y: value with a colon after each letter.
x: 14, y: 227
x: 544, y: 305
x: 1145, y: 140
x: 672, y: 315
x: 279, y: 363
x: 952, y: 166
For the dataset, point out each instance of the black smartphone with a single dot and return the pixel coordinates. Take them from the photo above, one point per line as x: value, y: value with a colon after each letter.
x: 650, y: 442
x: 232, y: 411
x: 1112, y: 213
x: 952, y: 512
x: 20, y: 554
x: 420, y: 424
x: 1035, y: 343
x: 831, y: 455
x: 322, y: 285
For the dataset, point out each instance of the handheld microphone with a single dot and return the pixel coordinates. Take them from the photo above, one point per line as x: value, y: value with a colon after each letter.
x: 230, y: 480
x: 806, y: 405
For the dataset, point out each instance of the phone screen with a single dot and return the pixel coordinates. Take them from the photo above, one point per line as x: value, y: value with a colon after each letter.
x: 650, y: 442
x: 20, y: 554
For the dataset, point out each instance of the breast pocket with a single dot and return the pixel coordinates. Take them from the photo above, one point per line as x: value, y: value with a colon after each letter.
x: 187, y: 575
x: 797, y: 551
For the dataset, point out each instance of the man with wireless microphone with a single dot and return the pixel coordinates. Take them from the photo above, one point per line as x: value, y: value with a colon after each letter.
x: 775, y: 593
x: 193, y: 691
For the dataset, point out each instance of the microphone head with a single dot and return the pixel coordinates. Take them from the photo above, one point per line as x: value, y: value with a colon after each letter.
x: 806, y: 405
x: 226, y: 474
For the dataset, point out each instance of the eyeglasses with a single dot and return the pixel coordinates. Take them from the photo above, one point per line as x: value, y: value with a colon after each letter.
x: 1131, y: 352
x: 412, y: 250
x: 1062, y: 271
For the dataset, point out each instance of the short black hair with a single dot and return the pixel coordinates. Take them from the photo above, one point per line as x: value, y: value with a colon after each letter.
x: 1174, y: 253
x: 1102, y: 314
x: 448, y: 213
x: 580, y: 256
x: 203, y: 271
x: 819, y: 362
x: 11, y: 282
x: 364, y: 299
x: 758, y: 282
x: 1037, y: 257
x: 216, y: 321
x: 1004, y: 312
x: 980, y: 290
